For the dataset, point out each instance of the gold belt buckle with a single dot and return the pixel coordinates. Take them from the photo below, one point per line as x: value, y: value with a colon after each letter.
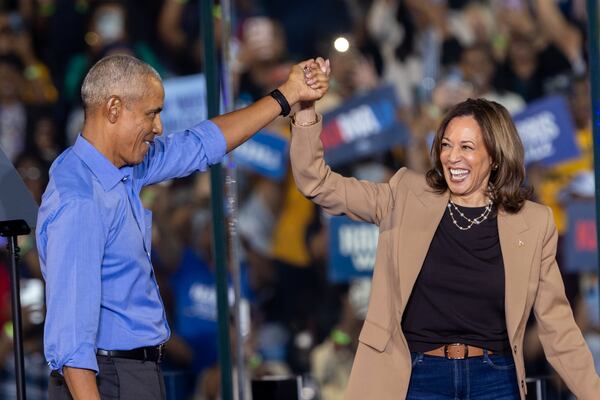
x: 456, y: 346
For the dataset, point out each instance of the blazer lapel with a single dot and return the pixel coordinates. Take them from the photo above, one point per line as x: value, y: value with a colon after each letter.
x: 422, y: 215
x: 517, y: 242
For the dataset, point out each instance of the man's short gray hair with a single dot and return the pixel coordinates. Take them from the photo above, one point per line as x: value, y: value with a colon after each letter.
x: 116, y: 75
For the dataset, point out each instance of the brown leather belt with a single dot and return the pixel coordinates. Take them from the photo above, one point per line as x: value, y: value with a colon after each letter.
x: 457, y: 351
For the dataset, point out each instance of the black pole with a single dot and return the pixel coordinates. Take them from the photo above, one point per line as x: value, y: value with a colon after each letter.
x: 594, y: 76
x: 13, y: 250
x: 217, y: 202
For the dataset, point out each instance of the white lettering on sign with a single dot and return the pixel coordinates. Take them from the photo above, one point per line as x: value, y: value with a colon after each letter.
x: 185, y: 102
x: 360, y: 243
x: 259, y: 154
x: 538, y: 134
x: 357, y: 123
x: 203, y: 301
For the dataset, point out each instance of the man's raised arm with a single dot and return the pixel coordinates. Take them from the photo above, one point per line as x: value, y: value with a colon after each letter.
x: 238, y: 126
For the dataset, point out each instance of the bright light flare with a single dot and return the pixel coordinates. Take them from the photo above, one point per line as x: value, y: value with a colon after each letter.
x: 341, y: 44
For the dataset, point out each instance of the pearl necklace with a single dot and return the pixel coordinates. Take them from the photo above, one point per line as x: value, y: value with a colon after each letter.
x: 475, y: 221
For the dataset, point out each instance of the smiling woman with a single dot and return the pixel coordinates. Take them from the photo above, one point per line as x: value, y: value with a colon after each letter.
x: 466, y: 162
x: 463, y: 258
x: 479, y: 141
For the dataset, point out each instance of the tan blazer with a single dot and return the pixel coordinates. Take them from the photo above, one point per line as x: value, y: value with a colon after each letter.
x: 408, y: 213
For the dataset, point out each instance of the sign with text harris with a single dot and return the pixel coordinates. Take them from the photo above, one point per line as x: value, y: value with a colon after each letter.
x: 547, y: 131
x: 352, y: 249
x: 362, y: 126
x: 265, y: 153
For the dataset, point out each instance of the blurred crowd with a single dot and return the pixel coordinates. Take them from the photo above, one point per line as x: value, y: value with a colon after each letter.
x: 433, y: 52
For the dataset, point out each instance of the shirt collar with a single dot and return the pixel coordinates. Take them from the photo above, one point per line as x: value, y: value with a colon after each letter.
x: 104, y: 170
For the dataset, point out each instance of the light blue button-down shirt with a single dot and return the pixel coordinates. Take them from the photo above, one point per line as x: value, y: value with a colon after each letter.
x: 94, y: 240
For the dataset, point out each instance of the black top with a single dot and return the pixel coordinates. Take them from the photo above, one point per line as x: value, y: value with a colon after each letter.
x: 459, y: 293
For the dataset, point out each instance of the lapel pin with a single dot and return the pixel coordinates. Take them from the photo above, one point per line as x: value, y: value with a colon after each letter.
x: 521, y: 244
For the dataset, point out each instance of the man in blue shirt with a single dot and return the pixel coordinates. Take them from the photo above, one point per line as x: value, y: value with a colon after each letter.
x: 105, y: 322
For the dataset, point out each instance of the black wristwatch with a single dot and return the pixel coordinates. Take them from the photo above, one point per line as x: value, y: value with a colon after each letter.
x: 283, y: 103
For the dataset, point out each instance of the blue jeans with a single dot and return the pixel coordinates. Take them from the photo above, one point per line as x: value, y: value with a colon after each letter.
x: 490, y: 377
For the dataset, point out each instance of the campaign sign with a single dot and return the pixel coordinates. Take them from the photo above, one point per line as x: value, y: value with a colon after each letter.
x: 265, y: 153
x: 352, y: 249
x: 547, y: 131
x: 185, y: 102
x: 362, y: 126
x: 581, y: 250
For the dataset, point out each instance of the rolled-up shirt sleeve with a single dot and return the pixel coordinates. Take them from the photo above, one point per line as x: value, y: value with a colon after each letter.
x: 74, y: 239
x: 181, y: 153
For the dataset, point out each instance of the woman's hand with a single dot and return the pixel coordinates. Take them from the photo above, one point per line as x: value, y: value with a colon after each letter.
x: 316, y: 75
x: 308, y: 81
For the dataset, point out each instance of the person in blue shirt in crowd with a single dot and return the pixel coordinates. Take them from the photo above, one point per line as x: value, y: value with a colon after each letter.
x: 105, y: 323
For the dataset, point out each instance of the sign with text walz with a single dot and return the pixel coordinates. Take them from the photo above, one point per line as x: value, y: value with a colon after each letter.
x: 363, y: 126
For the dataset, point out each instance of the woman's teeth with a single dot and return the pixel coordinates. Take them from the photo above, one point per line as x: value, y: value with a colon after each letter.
x: 458, y: 174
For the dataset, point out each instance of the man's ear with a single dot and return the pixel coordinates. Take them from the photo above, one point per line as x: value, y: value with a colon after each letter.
x: 113, y: 108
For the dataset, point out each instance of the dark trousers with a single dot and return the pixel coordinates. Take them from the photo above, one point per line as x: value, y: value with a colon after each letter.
x: 118, y: 379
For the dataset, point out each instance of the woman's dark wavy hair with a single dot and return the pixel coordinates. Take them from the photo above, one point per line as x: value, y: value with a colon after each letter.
x: 504, y: 145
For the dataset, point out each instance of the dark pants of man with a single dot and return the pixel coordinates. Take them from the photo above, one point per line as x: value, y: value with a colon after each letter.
x: 118, y: 379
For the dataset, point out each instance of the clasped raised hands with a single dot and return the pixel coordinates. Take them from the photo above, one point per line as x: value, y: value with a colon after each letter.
x: 308, y: 81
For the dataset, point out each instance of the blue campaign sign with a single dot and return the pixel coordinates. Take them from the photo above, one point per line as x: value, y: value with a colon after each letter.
x: 195, y: 305
x: 265, y: 153
x: 547, y: 131
x: 362, y: 126
x: 352, y: 249
x: 581, y: 250
x: 185, y: 102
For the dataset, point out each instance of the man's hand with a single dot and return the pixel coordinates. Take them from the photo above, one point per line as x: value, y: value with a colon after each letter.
x: 81, y: 383
x: 308, y: 81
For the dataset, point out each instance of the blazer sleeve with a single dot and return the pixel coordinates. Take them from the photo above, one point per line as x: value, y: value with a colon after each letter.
x: 358, y: 199
x: 561, y: 338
